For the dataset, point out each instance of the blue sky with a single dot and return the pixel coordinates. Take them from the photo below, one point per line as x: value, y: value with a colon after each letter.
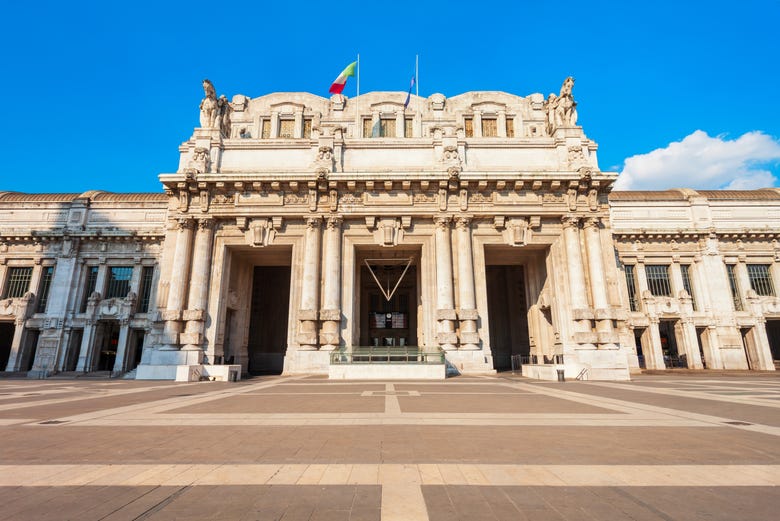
x: 98, y: 95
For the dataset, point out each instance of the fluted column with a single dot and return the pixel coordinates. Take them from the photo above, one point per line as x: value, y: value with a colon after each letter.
x: 577, y: 289
x: 178, y: 283
x: 467, y: 312
x: 310, y: 285
x: 445, y: 305
x: 195, y: 315
x: 598, y: 281
x: 331, y: 298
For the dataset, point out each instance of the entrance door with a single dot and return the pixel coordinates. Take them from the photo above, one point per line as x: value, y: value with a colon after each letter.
x: 108, y: 337
x: 393, y: 322
x: 671, y: 355
x: 74, y: 346
x: 508, y: 314
x: 268, y: 321
x: 6, y: 339
x: 639, y: 334
x: 773, y: 334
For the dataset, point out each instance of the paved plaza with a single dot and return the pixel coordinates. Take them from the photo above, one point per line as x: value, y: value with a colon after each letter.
x: 304, y: 448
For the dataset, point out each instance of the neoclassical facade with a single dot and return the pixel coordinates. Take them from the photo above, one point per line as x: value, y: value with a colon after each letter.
x: 299, y: 230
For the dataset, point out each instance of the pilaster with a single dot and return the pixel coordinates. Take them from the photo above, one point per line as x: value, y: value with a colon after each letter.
x: 467, y: 312
x: 310, y: 284
x: 330, y: 314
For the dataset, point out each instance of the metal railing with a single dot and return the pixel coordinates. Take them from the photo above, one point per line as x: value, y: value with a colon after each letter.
x: 386, y: 355
x: 519, y: 361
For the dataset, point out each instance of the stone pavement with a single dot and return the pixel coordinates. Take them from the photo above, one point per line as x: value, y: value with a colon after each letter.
x: 294, y: 448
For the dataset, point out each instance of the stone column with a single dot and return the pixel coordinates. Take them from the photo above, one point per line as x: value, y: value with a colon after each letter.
x: 178, y: 284
x: 3, y: 277
x: 655, y: 358
x: 596, y: 270
x: 577, y: 288
x: 200, y: 279
x: 17, y: 345
x: 477, y: 123
x: 298, y: 130
x: 274, y: 124
x: 399, y: 124
x: 467, y: 312
x: 310, y: 285
x: 445, y: 305
x: 501, y: 123
x: 331, y: 299
x: 120, y: 363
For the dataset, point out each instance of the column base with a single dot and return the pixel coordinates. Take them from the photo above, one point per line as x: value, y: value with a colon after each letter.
x: 469, y: 362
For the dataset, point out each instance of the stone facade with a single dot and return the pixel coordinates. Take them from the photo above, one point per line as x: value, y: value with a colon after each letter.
x: 297, y: 227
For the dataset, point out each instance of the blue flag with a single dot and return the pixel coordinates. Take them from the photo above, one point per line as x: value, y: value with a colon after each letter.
x: 409, y: 95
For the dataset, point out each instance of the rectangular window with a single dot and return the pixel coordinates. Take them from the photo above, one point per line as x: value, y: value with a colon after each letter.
x: 18, y: 282
x: 387, y: 128
x: 658, y: 280
x: 731, y: 270
x: 408, y: 127
x: 761, y: 279
x: 286, y: 128
x: 307, y: 128
x: 119, y: 281
x: 43, y: 298
x: 146, y: 289
x: 92, y: 273
x: 489, y: 127
x: 686, y: 278
x: 468, y: 126
x: 631, y: 285
x: 265, y: 131
x: 367, y: 128
x: 510, y: 127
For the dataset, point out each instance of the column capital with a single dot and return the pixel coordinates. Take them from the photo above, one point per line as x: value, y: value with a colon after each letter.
x: 591, y: 222
x: 334, y: 222
x: 206, y: 223
x: 570, y: 221
x: 442, y: 221
x: 463, y: 222
x: 313, y: 222
x: 185, y: 223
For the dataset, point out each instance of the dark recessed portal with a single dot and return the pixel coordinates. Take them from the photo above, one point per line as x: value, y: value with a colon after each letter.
x: 508, y: 314
x: 268, y: 321
x: 6, y: 339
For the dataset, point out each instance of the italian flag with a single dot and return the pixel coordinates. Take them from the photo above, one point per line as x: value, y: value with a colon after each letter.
x: 340, y: 82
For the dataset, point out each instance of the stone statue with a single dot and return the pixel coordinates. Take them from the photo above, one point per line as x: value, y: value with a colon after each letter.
x: 562, y: 109
x: 209, y: 106
x: 223, y: 115
x: 566, y: 107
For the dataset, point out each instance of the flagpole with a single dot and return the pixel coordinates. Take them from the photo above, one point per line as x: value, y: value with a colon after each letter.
x: 417, y: 93
x: 357, y: 102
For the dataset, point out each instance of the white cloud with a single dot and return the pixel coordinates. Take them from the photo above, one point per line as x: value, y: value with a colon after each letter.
x: 704, y: 162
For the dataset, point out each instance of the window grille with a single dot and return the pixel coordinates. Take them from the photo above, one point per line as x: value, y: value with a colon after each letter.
x: 92, y: 273
x: 265, y: 132
x: 18, y: 282
x: 386, y: 128
x: 146, y: 289
x: 761, y: 279
x: 468, y: 126
x: 408, y: 129
x: 730, y: 268
x: 119, y: 281
x: 286, y: 128
x: 45, y: 286
x: 307, y: 128
x: 686, y: 278
x: 631, y: 285
x: 510, y: 127
x: 489, y: 127
x: 658, y: 280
